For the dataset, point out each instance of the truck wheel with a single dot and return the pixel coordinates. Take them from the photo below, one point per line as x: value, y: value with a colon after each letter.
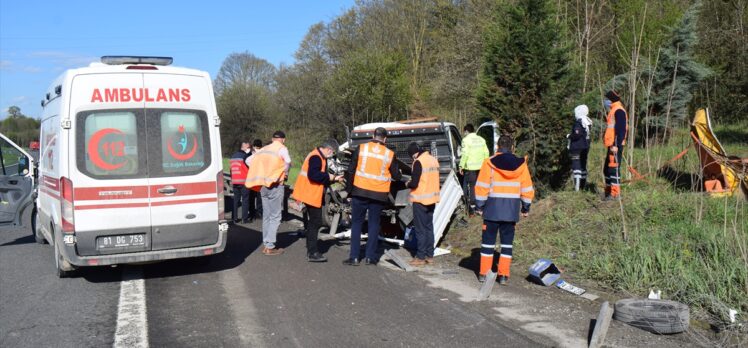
x: 326, y: 214
x: 38, y: 235
x: 656, y: 316
x: 64, y: 268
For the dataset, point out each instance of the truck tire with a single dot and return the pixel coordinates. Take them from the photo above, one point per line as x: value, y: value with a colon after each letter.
x: 656, y: 316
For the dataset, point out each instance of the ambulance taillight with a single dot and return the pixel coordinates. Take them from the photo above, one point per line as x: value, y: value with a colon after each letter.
x: 221, y: 198
x: 66, y: 205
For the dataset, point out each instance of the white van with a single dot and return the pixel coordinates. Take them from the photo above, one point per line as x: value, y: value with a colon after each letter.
x: 130, y: 166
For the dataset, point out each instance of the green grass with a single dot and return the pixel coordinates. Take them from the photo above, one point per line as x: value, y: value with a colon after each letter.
x: 692, y: 246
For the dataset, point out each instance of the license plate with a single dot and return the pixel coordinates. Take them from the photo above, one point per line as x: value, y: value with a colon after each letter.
x: 128, y: 240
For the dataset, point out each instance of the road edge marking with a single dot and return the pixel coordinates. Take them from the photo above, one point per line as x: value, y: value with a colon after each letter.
x: 132, y: 319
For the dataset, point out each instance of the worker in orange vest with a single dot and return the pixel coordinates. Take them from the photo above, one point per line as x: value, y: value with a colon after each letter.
x: 255, y: 201
x: 310, y: 190
x: 372, y: 168
x: 504, y: 191
x: 614, y: 139
x: 424, y: 194
x: 238, y: 181
x: 268, y: 169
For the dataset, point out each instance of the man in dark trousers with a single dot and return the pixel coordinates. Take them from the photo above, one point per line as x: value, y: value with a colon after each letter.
x: 503, y: 192
x: 310, y: 189
x: 238, y: 179
x: 424, y: 194
x: 372, y: 168
x: 255, y: 203
x: 616, y: 131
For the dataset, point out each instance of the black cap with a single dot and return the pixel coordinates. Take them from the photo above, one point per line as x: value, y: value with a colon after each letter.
x: 279, y: 135
x: 380, y: 132
x: 413, y: 149
x: 612, y: 96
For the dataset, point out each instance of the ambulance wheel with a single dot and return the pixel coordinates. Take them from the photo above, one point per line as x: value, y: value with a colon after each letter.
x: 38, y: 236
x: 64, y: 268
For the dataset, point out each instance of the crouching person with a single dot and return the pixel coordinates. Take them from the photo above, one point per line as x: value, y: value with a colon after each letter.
x: 424, y: 194
x: 503, y: 192
x: 310, y: 190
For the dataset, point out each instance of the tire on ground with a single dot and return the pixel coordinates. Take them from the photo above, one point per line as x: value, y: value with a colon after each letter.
x: 656, y: 316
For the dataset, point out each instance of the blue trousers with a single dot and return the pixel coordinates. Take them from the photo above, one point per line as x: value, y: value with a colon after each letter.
x: 241, y: 197
x: 359, y: 208
x: 423, y: 222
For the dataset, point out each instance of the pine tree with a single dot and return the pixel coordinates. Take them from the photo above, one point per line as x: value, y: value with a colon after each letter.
x: 677, y: 73
x: 526, y: 84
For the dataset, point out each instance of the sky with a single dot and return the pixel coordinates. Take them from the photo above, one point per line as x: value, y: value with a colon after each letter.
x: 41, y: 39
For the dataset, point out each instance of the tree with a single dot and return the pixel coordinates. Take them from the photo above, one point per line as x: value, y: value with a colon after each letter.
x: 244, y: 88
x: 19, y: 128
x: 527, y: 83
x: 371, y: 86
x: 246, y: 69
x: 677, y: 73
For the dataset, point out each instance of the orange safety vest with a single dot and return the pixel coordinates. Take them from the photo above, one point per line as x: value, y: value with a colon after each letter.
x: 502, y: 184
x: 268, y: 167
x: 610, y: 131
x: 427, y: 192
x: 372, y: 170
x: 305, y: 190
x: 238, y: 171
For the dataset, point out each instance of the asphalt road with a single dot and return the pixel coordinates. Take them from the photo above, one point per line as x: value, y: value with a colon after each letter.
x: 237, y: 298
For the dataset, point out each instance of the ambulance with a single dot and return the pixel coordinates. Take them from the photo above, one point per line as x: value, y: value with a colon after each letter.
x: 130, y: 166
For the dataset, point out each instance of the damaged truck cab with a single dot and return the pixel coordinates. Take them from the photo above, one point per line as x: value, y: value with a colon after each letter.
x: 442, y: 139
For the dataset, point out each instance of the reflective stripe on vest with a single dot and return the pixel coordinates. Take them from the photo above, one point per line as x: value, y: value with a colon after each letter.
x: 378, y: 178
x: 305, y: 190
x: 267, y: 167
x: 610, y: 133
x: 427, y: 191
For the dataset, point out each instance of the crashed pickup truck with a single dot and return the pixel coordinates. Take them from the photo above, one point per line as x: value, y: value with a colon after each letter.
x: 443, y: 141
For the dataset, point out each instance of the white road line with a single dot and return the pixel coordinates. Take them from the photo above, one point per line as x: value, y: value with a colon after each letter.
x: 132, y: 321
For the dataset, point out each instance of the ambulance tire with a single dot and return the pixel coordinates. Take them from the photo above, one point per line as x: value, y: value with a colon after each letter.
x: 656, y: 316
x: 64, y: 268
x: 38, y: 235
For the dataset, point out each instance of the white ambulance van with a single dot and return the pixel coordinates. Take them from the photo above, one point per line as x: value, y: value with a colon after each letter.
x: 130, y: 166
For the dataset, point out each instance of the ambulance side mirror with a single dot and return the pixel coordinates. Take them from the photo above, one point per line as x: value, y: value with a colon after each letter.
x: 23, y: 165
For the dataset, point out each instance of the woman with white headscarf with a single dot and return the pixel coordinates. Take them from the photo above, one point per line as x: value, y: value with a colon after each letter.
x: 579, y: 146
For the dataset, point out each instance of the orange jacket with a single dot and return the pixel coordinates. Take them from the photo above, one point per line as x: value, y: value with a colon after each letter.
x: 427, y: 192
x: 504, y: 188
x: 268, y: 167
x: 610, y: 131
x: 306, y: 190
x: 372, y: 169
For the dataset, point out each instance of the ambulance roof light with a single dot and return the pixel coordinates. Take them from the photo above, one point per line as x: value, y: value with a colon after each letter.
x: 121, y: 60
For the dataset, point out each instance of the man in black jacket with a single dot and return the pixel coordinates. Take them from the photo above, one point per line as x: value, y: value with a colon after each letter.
x: 579, y: 146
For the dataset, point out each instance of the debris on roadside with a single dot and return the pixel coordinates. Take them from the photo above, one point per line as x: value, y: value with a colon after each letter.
x: 602, y: 323
x: 544, y: 272
x: 656, y: 316
x: 563, y: 285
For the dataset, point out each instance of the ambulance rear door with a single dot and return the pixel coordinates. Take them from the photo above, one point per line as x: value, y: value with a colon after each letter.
x: 107, y: 164
x: 182, y: 168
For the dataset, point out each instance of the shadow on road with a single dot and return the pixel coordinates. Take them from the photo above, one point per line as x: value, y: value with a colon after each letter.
x: 22, y: 240
x: 242, y: 242
x: 472, y: 262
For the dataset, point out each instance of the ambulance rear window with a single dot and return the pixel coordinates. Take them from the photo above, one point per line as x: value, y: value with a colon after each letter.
x: 183, y: 143
x: 108, y: 144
